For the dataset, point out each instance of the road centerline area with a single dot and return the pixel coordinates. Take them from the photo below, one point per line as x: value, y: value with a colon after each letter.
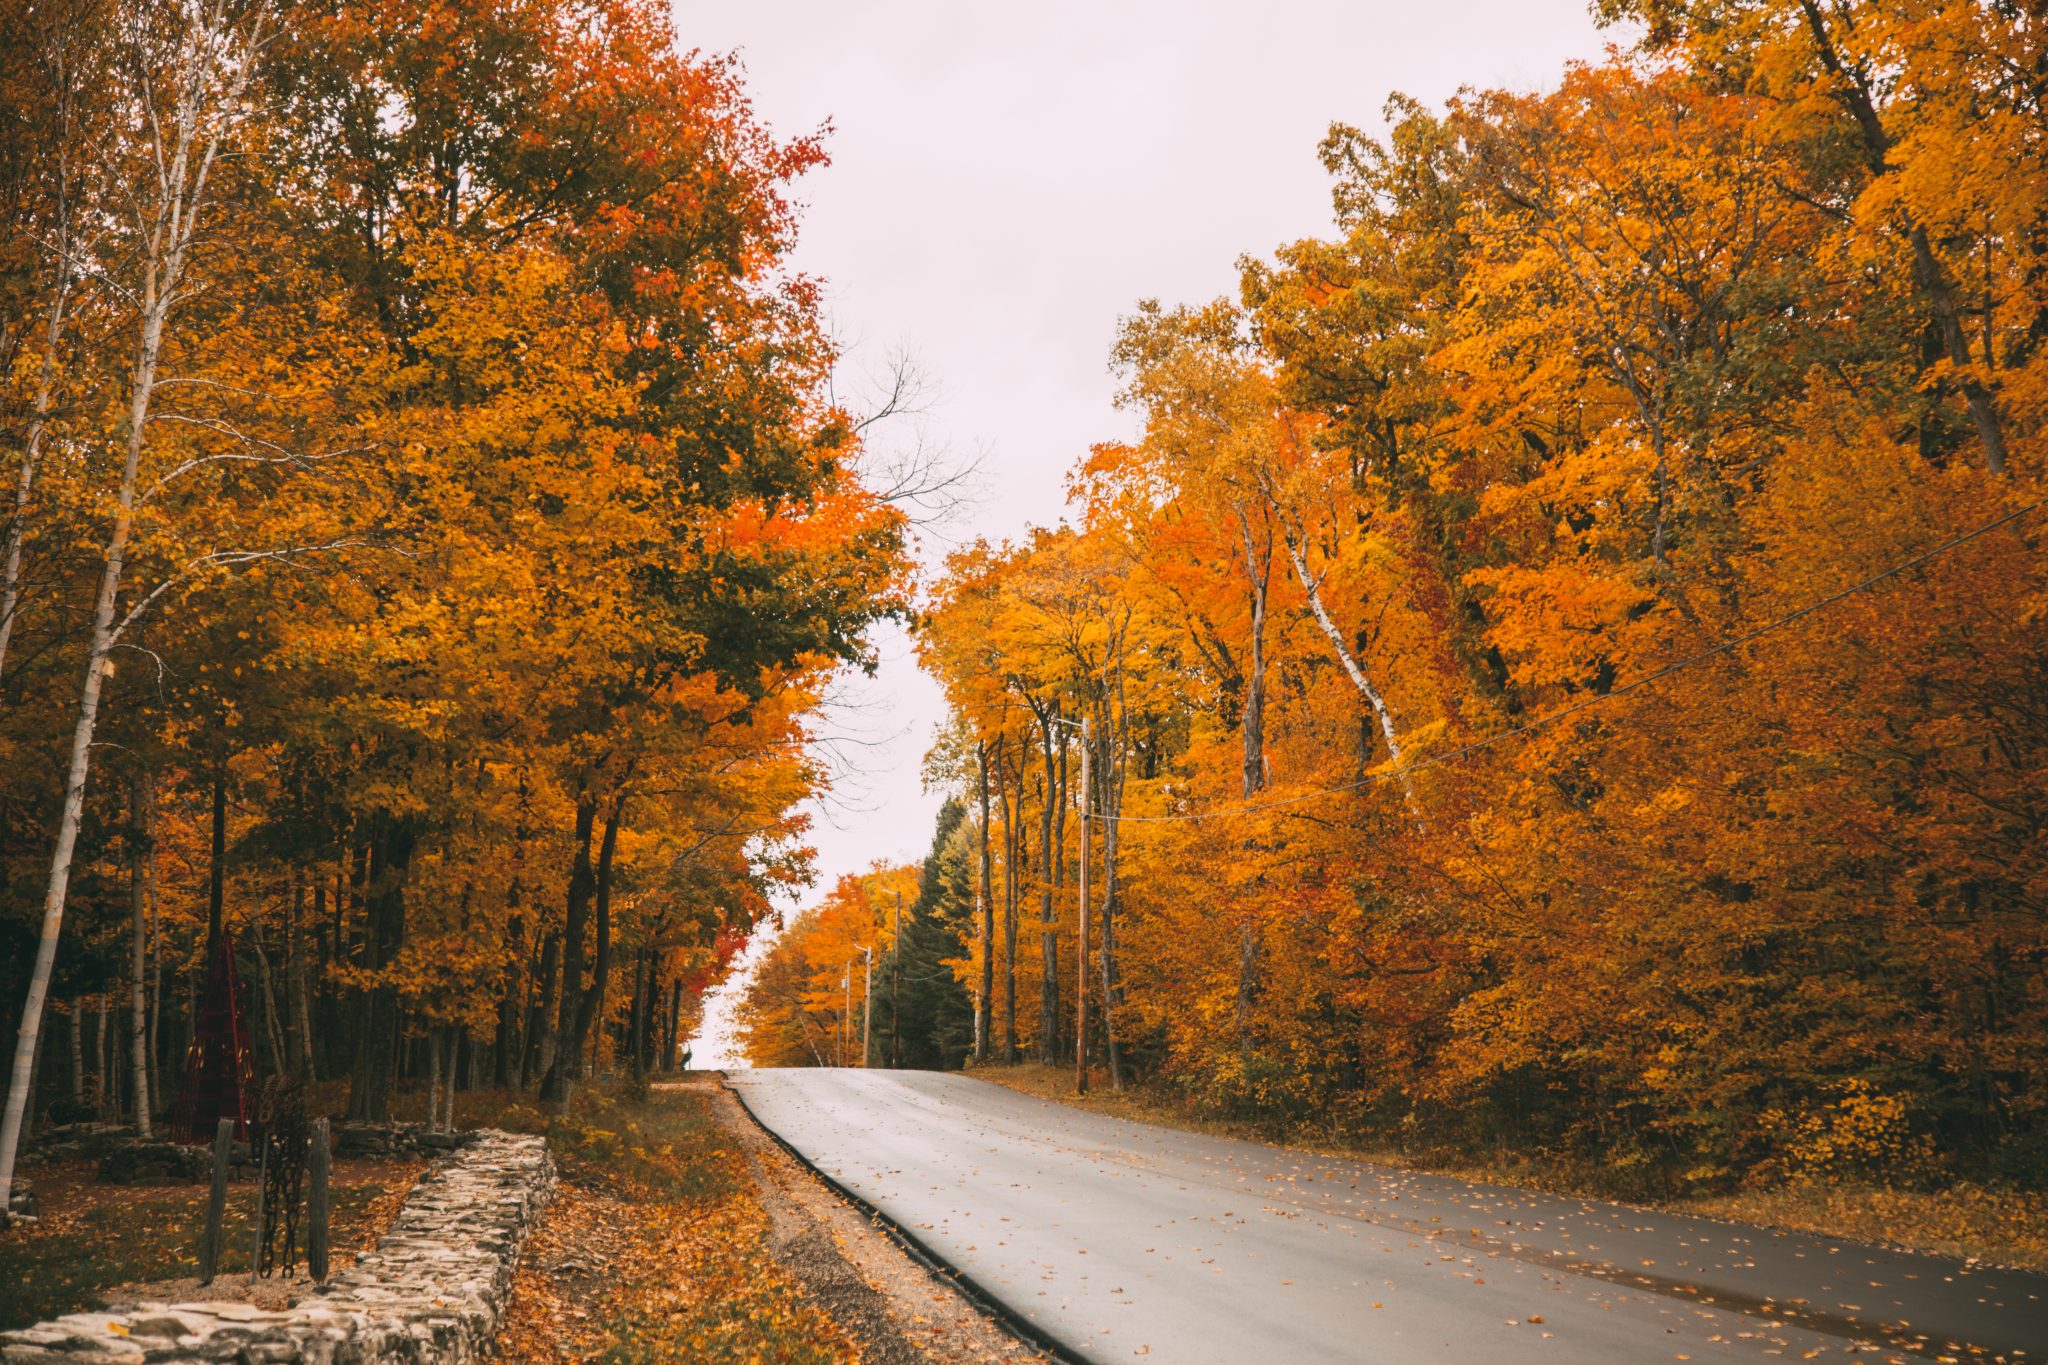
x: 1122, y: 1240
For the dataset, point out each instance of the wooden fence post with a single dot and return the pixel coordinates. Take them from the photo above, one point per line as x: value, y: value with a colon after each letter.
x: 216, y: 1202
x: 316, y: 1203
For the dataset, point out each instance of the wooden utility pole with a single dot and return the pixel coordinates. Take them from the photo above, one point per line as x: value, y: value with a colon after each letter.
x: 984, y: 999
x: 1081, y: 952
x: 867, y: 1011
x: 895, y: 982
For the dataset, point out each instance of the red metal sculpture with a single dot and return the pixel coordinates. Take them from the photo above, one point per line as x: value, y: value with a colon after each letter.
x: 220, y: 1066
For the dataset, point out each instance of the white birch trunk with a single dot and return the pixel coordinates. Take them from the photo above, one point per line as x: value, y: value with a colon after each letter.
x: 1313, y: 587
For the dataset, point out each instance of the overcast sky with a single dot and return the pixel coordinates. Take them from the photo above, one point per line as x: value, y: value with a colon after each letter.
x: 1006, y: 180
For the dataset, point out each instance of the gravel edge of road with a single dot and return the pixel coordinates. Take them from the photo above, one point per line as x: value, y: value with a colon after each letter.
x: 868, y: 1272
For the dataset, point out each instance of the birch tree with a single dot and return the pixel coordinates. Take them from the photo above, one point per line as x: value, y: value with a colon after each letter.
x: 63, y: 51
x: 187, y: 71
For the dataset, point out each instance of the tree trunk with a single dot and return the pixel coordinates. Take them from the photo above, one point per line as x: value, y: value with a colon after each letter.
x: 636, y: 1019
x: 35, y: 1076
x: 76, y: 1017
x: 1112, y: 789
x: 650, y: 1023
x: 216, y: 879
x: 141, y: 857
x: 1059, y: 869
x: 38, y: 427
x: 61, y: 254
x: 273, y: 1019
x: 1854, y: 93
x: 102, y: 1061
x: 1258, y: 570
x: 315, y: 982
x: 556, y: 1085
x: 98, y: 664
x: 675, y: 1026
x: 1352, y: 668
x: 1048, y: 926
x: 540, y: 1026
x: 434, y: 1040
x: 156, y: 993
x: 985, y: 1001
x: 296, y: 983
x: 1249, y: 947
x: 508, y: 1041
x: 582, y: 885
x: 384, y: 915
x: 1009, y: 914
x: 215, y: 73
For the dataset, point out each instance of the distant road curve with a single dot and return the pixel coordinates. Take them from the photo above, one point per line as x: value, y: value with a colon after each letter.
x: 1120, y: 1241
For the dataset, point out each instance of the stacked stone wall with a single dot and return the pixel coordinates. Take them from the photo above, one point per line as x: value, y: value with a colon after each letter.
x: 432, y: 1293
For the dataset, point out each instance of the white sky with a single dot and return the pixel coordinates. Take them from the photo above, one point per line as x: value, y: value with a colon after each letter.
x: 1007, y: 180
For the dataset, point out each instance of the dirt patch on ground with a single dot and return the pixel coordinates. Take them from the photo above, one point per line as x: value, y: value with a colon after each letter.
x: 385, y: 1183
x: 899, y: 1312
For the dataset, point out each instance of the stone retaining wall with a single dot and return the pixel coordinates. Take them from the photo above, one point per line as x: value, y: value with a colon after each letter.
x: 430, y: 1294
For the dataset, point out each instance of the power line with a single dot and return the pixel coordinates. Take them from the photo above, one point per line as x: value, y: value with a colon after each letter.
x: 1436, y: 760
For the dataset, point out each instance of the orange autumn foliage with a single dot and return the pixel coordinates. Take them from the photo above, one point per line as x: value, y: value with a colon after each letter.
x: 1530, y: 473
x: 808, y: 1004
x: 498, y: 536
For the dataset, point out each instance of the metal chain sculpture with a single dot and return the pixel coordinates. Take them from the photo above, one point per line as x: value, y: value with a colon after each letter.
x: 220, y: 1098
x: 282, y: 1131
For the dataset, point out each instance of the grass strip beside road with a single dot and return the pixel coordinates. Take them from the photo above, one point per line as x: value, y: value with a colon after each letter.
x: 656, y: 1247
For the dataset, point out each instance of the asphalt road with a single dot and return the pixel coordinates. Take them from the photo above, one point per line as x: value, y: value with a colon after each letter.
x: 1122, y: 1240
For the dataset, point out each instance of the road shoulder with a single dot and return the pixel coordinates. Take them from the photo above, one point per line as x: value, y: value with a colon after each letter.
x: 2002, y: 1227
x: 897, y: 1310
